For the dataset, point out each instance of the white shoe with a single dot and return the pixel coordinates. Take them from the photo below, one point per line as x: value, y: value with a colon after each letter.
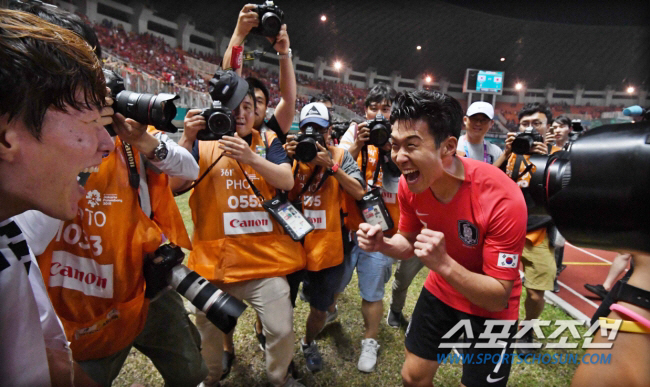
x: 368, y: 358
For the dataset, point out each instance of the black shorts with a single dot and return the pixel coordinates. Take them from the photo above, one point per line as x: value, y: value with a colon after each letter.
x: 432, y: 319
x: 320, y: 286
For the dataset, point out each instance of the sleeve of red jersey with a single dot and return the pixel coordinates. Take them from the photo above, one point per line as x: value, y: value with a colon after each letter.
x: 506, y: 236
x: 408, y: 220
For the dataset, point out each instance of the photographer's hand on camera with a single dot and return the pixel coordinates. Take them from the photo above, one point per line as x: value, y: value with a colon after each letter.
x: 193, y: 123
x: 282, y: 43
x: 290, y: 146
x: 136, y: 134
x: 247, y: 20
x: 507, y: 151
x: 323, y: 158
x: 362, y: 136
x: 236, y: 148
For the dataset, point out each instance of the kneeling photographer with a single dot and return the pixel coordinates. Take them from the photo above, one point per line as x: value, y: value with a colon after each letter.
x: 323, y: 175
x: 242, y: 237
x: 538, y: 257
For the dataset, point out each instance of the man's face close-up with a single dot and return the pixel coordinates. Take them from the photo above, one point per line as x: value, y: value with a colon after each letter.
x: 260, y: 108
x: 414, y: 151
x: 561, y: 132
x: 476, y: 126
x: 71, y: 142
x: 245, y: 116
x: 375, y: 108
x: 537, y: 120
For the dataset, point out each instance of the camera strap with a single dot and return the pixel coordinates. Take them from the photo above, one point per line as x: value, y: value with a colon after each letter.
x: 364, y: 165
x: 134, y: 177
x: 197, y: 181
x: 372, y: 206
x: 515, y: 171
x: 285, y: 213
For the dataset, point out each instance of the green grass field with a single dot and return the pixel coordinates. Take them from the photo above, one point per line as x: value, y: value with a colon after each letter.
x: 340, y: 345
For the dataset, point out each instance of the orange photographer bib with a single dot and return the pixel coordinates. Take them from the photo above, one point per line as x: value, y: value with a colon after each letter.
x: 93, y: 266
x: 354, y: 217
x: 323, y: 246
x: 535, y: 237
x: 235, y: 238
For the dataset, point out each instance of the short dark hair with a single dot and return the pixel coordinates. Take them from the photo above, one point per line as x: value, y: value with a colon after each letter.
x: 322, y: 97
x: 442, y: 113
x: 379, y: 93
x: 251, y: 93
x: 564, y: 120
x: 43, y: 65
x: 255, y: 83
x: 61, y: 18
x: 536, y: 107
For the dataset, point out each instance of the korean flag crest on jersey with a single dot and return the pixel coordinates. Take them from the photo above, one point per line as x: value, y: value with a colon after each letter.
x: 468, y: 233
x: 508, y: 260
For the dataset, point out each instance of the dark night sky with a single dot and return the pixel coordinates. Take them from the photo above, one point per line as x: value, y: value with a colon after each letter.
x: 594, y: 43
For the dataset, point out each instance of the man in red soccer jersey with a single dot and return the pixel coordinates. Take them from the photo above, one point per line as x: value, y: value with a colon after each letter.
x: 466, y: 221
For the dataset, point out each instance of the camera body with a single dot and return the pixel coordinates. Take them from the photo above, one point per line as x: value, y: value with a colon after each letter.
x: 271, y: 17
x: 379, y: 131
x: 523, y: 142
x: 339, y: 129
x: 157, y: 110
x: 220, y: 121
x: 307, y: 139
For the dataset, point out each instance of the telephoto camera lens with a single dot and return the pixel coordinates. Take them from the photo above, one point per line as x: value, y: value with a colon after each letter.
x: 157, y: 110
x: 220, y: 308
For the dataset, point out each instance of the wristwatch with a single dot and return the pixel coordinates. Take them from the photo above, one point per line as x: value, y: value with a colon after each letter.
x: 161, y: 151
x: 285, y: 56
x: 334, y: 168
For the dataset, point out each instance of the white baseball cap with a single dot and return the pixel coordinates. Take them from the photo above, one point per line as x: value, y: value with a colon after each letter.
x: 315, y: 113
x: 481, y: 107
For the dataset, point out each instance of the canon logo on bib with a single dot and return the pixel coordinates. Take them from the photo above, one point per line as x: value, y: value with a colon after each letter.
x: 235, y: 223
x: 317, y: 218
x: 83, y: 274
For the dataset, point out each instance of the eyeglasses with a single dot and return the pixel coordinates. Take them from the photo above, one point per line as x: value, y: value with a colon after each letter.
x: 536, y: 124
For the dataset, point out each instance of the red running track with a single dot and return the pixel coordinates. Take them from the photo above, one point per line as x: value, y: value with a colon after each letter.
x: 583, y: 265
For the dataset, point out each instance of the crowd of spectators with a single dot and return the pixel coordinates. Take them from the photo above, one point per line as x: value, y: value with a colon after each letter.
x: 151, y: 54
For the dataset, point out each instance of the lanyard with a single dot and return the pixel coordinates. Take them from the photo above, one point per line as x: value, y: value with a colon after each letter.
x: 485, y: 152
x: 364, y: 164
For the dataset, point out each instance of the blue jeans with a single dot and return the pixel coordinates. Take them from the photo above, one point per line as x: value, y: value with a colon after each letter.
x: 373, y: 269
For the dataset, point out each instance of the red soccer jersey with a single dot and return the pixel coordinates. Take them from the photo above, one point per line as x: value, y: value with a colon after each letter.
x: 484, y: 226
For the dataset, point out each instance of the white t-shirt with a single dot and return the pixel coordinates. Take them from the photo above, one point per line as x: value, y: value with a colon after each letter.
x: 23, y: 359
x: 477, y: 151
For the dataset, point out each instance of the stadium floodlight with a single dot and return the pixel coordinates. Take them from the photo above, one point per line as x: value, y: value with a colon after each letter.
x: 323, y: 18
x: 418, y: 48
x: 503, y: 59
x: 519, y: 86
x: 630, y: 90
x: 428, y: 79
x: 338, y: 65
